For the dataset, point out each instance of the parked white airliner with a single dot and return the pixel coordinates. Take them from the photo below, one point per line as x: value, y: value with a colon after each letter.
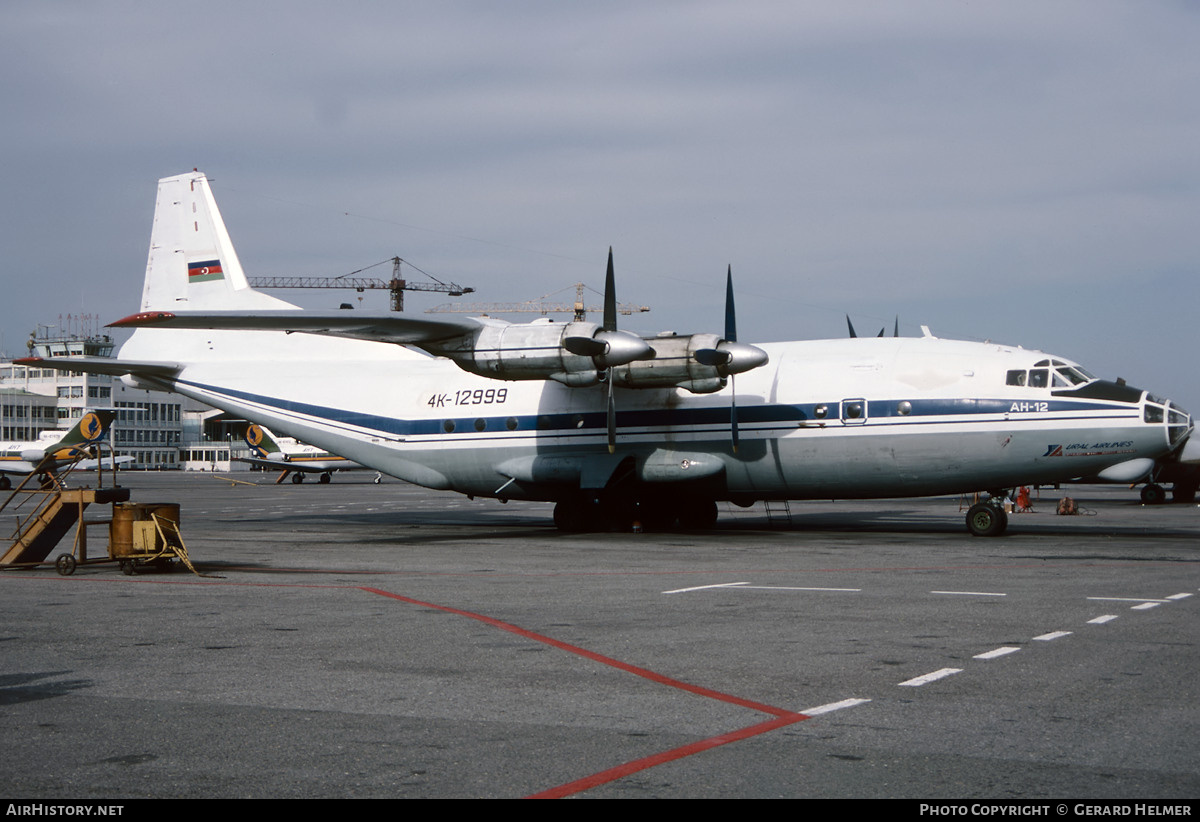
x: 612, y: 426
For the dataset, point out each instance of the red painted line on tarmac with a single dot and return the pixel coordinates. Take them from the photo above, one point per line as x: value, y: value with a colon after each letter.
x: 613, y: 774
x: 592, y: 655
x: 782, y: 718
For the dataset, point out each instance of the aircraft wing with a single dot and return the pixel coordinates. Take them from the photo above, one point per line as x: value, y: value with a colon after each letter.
x: 386, y: 328
x: 16, y: 466
x: 107, y: 463
x: 303, y: 466
x: 104, y: 365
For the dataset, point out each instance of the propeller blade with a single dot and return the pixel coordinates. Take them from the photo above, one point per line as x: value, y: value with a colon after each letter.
x: 585, y: 346
x: 896, y: 329
x: 610, y: 296
x: 880, y: 334
x: 850, y: 325
x: 733, y: 418
x: 711, y: 356
x: 730, y: 314
x: 730, y: 337
x: 612, y: 416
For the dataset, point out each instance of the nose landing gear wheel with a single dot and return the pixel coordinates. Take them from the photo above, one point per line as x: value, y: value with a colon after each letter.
x: 1153, y: 494
x: 986, y: 520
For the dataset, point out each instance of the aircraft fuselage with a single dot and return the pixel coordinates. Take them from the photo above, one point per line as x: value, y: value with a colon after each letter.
x: 854, y: 418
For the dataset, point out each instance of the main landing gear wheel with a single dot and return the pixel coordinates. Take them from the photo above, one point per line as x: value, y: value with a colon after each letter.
x: 297, y: 479
x: 986, y: 520
x: 1153, y: 494
x: 1183, y: 492
x: 65, y: 564
x: 5, y: 483
x: 572, y: 515
x: 325, y: 479
x: 697, y: 515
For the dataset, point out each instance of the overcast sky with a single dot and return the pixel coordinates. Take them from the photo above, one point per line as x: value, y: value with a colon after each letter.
x: 1026, y: 172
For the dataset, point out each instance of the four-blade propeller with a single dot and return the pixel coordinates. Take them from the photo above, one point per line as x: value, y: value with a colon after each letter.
x: 610, y: 347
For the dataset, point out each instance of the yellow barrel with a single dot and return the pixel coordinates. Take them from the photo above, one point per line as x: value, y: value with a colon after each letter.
x: 120, y: 531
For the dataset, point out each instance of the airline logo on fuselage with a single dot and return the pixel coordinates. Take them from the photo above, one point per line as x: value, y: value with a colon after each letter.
x: 1089, y: 449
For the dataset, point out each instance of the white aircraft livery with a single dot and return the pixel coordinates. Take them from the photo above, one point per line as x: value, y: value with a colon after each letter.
x: 614, y: 427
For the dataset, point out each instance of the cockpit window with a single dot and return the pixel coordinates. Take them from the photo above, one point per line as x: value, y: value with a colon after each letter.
x: 1052, y: 373
x: 1072, y: 376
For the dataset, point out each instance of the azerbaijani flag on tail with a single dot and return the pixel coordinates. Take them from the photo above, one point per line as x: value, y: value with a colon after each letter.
x: 205, y: 270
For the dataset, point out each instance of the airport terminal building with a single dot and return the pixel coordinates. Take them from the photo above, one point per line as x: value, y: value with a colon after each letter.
x: 160, y: 431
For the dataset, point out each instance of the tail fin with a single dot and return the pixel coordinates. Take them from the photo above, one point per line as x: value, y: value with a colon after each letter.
x: 192, y: 264
x: 91, y: 428
x: 261, y: 441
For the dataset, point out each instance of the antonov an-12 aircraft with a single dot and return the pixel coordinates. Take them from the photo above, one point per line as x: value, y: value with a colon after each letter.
x: 614, y: 427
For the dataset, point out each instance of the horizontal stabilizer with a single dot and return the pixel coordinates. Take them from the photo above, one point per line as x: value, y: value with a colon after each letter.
x: 386, y: 328
x: 104, y: 365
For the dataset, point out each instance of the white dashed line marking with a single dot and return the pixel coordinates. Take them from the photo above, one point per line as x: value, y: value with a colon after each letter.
x: 1126, y: 599
x: 1052, y: 635
x: 927, y: 678
x: 1002, y: 651
x: 746, y: 586
x: 968, y: 593
x: 706, y: 587
x: 1179, y: 596
x: 790, y: 588
x: 1100, y: 620
x: 833, y: 706
x: 1145, y: 606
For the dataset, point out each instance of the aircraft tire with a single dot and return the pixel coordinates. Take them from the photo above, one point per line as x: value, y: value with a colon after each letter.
x: 297, y: 479
x: 325, y: 478
x: 1183, y: 492
x: 571, y: 515
x: 986, y: 520
x: 697, y: 515
x: 5, y: 483
x: 656, y: 514
x: 1153, y: 494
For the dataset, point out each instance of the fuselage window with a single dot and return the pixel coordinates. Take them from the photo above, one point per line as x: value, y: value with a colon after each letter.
x: 1016, y: 377
x: 853, y: 410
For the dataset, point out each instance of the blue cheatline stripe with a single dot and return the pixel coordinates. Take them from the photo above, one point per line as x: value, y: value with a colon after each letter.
x: 924, y: 412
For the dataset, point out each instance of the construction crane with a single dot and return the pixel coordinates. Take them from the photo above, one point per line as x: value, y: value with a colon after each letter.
x: 538, y: 306
x: 396, y: 285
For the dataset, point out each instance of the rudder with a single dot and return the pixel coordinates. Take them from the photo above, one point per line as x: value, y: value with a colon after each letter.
x: 192, y: 263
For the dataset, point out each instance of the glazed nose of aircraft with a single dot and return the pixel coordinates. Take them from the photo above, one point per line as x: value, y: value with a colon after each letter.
x: 1176, y: 417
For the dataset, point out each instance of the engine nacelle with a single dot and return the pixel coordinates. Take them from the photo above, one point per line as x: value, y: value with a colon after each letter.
x: 573, y: 354
x: 699, y: 363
